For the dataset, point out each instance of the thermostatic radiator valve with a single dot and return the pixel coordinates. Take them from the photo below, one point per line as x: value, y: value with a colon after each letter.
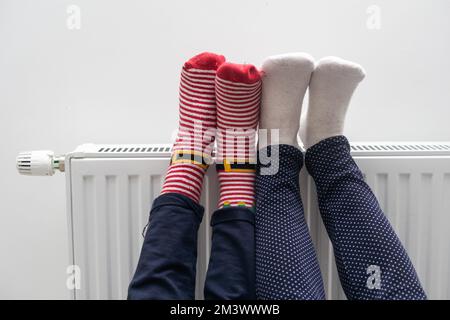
x: 39, y: 163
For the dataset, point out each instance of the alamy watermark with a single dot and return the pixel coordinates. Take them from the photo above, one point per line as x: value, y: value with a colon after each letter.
x: 374, y: 280
x: 73, y: 20
x: 73, y: 281
x: 236, y: 146
x: 373, y: 21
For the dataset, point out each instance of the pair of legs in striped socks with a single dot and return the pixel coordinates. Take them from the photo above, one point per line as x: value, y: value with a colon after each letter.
x: 218, y: 101
x: 268, y: 253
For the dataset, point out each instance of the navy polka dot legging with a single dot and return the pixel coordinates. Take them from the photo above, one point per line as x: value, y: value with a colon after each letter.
x: 371, y: 261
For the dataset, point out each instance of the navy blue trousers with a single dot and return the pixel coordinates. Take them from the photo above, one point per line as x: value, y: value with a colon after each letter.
x: 167, y: 265
x: 371, y: 261
x: 286, y: 262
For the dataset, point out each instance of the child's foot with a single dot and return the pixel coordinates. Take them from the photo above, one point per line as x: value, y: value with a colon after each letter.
x: 238, y: 92
x: 195, y: 140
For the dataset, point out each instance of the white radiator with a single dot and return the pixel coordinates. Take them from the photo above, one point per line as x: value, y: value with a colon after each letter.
x: 110, y: 189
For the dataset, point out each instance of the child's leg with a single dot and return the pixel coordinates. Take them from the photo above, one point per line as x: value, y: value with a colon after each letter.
x: 371, y: 261
x: 167, y: 265
x: 231, y: 271
x: 286, y: 262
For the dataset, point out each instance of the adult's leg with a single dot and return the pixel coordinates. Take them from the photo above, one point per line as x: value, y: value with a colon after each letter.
x: 371, y: 261
x: 166, y: 267
x: 286, y: 262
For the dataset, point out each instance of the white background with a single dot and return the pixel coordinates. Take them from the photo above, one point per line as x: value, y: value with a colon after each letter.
x: 115, y: 81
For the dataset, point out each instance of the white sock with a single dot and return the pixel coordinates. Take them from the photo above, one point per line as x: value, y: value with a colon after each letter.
x: 331, y: 87
x: 285, y: 80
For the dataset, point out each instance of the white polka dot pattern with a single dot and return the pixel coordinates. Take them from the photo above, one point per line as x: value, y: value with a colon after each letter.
x: 371, y: 261
x: 286, y: 262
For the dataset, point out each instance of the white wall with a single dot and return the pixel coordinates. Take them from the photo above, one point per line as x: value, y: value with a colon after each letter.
x: 115, y: 81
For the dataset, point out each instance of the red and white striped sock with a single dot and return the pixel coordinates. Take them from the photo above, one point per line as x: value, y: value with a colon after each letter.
x: 196, y: 133
x: 238, y: 94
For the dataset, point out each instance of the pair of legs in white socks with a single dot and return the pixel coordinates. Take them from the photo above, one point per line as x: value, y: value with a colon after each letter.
x: 371, y: 261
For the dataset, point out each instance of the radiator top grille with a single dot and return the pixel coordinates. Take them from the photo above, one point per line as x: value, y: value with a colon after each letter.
x: 357, y: 148
x: 400, y: 147
x: 130, y: 148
